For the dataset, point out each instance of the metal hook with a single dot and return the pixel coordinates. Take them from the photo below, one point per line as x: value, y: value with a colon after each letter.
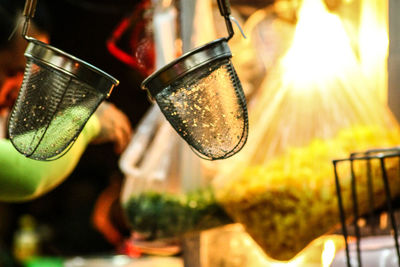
x: 225, y: 11
x: 238, y: 25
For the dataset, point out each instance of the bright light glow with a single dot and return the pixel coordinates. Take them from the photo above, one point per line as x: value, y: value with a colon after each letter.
x: 298, y: 261
x: 374, y: 44
x: 321, y: 48
x: 328, y: 254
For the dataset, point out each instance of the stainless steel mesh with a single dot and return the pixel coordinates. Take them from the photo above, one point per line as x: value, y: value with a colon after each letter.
x: 208, y: 109
x: 50, y: 112
x: 58, y: 95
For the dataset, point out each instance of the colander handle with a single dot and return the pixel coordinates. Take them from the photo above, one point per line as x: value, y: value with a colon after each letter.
x: 29, y: 13
x: 29, y: 9
x: 225, y: 10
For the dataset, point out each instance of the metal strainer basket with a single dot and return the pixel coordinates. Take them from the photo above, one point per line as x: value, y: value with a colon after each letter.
x: 201, y: 96
x: 59, y: 93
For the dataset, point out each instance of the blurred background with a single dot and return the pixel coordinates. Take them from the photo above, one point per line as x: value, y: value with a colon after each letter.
x: 80, y: 28
x: 315, y: 85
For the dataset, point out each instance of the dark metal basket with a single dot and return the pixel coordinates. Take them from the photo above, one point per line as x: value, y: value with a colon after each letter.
x: 58, y: 95
x: 200, y: 94
x: 350, y: 221
x: 202, y: 98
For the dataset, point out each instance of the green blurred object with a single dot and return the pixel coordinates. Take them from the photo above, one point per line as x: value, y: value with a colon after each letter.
x: 164, y: 215
x: 45, y: 262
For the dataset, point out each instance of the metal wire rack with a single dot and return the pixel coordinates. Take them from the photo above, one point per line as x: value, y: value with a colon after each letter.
x: 371, y: 228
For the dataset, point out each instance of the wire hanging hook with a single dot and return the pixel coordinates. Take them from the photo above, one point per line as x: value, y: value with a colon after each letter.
x: 225, y: 11
x: 232, y: 18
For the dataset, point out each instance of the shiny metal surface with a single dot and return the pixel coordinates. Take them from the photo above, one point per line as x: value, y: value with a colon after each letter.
x: 29, y: 9
x: 188, y: 62
x: 70, y: 65
x: 28, y: 13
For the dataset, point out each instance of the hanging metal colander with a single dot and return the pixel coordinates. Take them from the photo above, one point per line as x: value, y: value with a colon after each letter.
x: 201, y: 96
x: 58, y: 95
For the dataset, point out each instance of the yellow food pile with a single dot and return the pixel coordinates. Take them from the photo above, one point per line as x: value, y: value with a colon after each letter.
x: 292, y: 200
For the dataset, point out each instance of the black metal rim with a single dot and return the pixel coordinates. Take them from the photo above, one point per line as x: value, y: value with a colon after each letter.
x: 191, y: 61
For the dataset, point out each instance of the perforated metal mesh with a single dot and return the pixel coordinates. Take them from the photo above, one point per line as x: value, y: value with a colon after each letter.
x: 208, y: 109
x: 51, y: 110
